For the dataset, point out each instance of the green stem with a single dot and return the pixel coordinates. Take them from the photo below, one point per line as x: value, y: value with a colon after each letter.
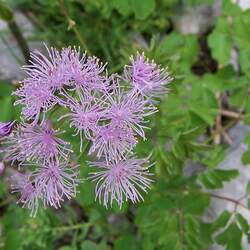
x: 20, y: 39
x: 71, y: 227
x: 73, y: 25
x: 83, y: 151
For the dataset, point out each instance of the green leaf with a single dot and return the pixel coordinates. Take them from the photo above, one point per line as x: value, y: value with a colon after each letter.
x: 226, y: 175
x: 6, y: 110
x: 192, y: 133
x: 123, y: 242
x: 143, y: 8
x: 214, y: 156
x: 179, y: 150
x: 247, y: 138
x: 5, y: 12
x: 123, y: 7
x: 245, y: 159
x: 230, y: 8
x: 220, y: 41
x: 248, y: 188
x: 214, y: 178
x: 205, y: 110
x: 191, y: 224
x: 89, y: 245
x: 243, y: 223
x: 198, y: 207
x: 231, y: 237
x: 3, y: 188
x: 67, y: 248
x: 170, y: 240
x: 5, y: 89
x: 221, y: 221
x: 13, y: 239
x: 86, y: 195
x: 241, y: 29
x: 200, y: 114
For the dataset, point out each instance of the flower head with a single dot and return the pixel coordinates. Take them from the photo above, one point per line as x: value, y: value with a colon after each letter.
x: 84, y: 115
x: 147, y: 77
x: 36, y: 142
x: 35, y: 98
x: 129, y: 109
x: 87, y: 73
x: 113, y: 142
x: 56, y: 181
x: 29, y: 193
x: 51, y: 71
x: 121, y: 180
x: 6, y: 128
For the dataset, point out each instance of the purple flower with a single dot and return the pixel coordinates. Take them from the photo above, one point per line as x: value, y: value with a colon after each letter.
x: 87, y: 73
x: 84, y: 115
x: 100, y: 108
x: 29, y: 194
x: 129, y: 109
x: 147, y: 77
x: 36, y: 143
x: 121, y: 179
x: 65, y: 68
x: 6, y: 128
x: 51, y: 71
x: 113, y: 142
x: 56, y: 181
x: 2, y: 168
x: 35, y: 98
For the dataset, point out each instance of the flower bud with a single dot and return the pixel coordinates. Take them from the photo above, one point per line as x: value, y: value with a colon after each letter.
x: 6, y: 128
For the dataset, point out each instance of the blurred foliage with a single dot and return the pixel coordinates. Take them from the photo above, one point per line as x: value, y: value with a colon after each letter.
x: 183, y: 130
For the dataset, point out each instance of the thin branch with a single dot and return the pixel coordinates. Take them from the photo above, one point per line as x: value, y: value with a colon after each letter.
x: 227, y: 138
x: 222, y: 129
x: 72, y: 25
x: 231, y: 114
x: 71, y: 227
x: 217, y: 137
x: 181, y: 221
x: 236, y: 202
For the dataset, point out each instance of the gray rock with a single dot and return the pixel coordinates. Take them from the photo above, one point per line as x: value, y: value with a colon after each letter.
x: 194, y: 20
x: 235, y: 189
x: 11, y: 56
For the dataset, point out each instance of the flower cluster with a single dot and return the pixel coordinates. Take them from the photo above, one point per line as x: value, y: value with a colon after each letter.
x: 110, y: 111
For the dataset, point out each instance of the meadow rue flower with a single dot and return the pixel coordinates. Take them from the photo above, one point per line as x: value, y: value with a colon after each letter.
x: 84, y: 115
x: 29, y: 194
x: 6, y: 128
x: 113, y: 142
x: 129, y: 109
x: 51, y: 71
x: 147, y: 77
x: 50, y: 184
x: 57, y: 181
x: 35, y: 98
x: 36, y: 143
x: 121, y: 180
x: 87, y: 73
x: 101, y: 108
